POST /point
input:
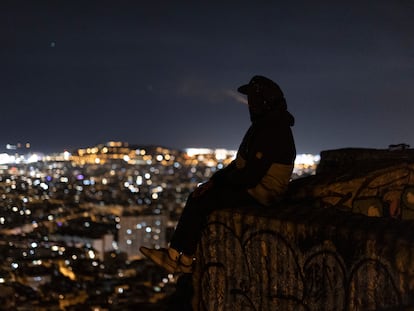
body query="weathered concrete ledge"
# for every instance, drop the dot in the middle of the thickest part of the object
(302, 257)
(369, 182)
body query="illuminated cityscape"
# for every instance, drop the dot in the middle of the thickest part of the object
(71, 223)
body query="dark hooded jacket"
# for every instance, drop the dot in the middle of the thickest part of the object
(265, 158)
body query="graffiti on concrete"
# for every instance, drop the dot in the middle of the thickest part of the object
(244, 269)
(386, 192)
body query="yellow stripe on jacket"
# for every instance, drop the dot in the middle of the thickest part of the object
(273, 185)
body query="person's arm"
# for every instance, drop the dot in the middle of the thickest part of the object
(217, 179)
(270, 144)
(249, 176)
(258, 159)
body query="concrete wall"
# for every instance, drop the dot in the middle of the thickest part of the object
(299, 257)
(372, 182)
(385, 192)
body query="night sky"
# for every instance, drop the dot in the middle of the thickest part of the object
(78, 73)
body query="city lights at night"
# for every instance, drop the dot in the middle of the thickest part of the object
(114, 112)
(64, 211)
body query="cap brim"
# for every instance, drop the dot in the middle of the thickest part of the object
(244, 89)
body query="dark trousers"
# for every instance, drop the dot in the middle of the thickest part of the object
(194, 217)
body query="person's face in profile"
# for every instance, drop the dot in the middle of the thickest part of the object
(255, 101)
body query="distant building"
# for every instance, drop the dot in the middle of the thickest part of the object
(143, 230)
(100, 243)
(123, 151)
(305, 165)
(35, 276)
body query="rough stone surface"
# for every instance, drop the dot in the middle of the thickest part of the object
(342, 240)
(296, 257)
(358, 161)
(368, 181)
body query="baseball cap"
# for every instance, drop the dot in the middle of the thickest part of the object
(261, 84)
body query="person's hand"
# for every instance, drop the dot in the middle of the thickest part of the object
(202, 189)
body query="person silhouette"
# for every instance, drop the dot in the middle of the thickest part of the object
(259, 175)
